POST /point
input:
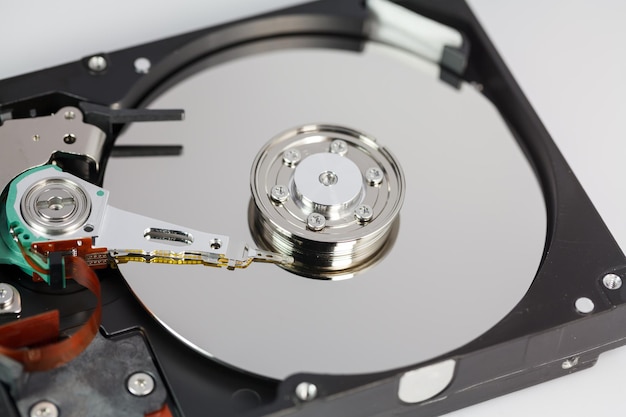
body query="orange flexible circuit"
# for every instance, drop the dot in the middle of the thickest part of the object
(32, 263)
(96, 258)
(163, 412)
(34, 341)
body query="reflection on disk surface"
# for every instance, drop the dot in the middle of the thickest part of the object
(468, 239)
(329, 197)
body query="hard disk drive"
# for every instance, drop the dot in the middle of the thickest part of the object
(337, 208)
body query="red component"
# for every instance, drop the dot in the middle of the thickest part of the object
(96, 258)
(163, 412)
(34, 341)
(36, 330)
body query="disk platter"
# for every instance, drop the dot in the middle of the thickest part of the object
(464, 249)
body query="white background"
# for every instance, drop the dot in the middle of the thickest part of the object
(568, 57)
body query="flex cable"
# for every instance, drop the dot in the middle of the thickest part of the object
(198, 258)
(34, 341)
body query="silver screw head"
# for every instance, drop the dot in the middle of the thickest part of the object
(305, 391)
(363, 213)
(279, 193)
(328, 178)
(569, 363)
(140, 384)
(44, 409)
(291, 157)
(612, 281)
(97, 63)
(6, 296)
(338, 146)
(374, 175)
(315, 222)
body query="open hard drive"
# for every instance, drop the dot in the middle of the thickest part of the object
(305, 212)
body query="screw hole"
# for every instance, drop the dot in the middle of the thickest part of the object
(142, 65)
(569, 363)
(69, 138)
(584, 305)
(88, 228)
(215, 244)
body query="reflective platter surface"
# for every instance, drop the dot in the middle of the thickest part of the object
(471, 229)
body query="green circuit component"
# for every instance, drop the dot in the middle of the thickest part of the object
(16, 237)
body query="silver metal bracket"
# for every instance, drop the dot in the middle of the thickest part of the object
(28, 143)
(10, 299)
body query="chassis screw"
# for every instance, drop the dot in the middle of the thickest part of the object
(291, 157)
(97, 63)
(44, 409)
(279, 193)
(612, 281)
(305, 391)
(315, 222)
(140, 384)
(363, 213)
(374, 176)
(338, 146)
(6, 296)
